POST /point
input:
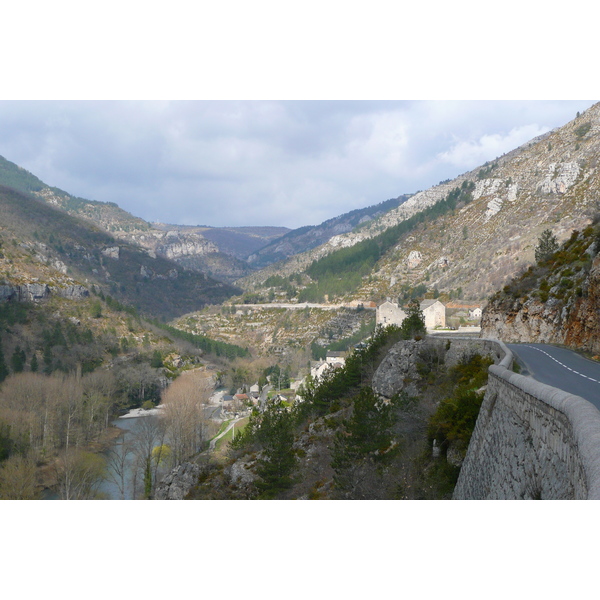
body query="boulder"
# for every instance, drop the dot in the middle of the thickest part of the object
(178, 482)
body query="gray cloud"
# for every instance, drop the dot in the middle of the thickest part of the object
(238, 163)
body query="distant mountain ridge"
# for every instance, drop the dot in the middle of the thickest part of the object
(226, 253)
(59, 254)
(219, 254)
(309, 237)
(235, 241)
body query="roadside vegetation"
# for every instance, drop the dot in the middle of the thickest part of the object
(560, 271)
(343, 441)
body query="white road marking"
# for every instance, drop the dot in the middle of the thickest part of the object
(561, 364)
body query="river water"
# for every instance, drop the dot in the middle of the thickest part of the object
(110, 488)
(124, 480)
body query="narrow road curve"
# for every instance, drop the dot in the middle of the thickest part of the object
(560, 368)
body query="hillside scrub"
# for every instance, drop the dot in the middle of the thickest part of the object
(455, 416)
(344, 441)
(560, 273)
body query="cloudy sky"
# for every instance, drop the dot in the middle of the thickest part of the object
(235, 163)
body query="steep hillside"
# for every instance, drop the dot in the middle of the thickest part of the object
(185, 246)
(556, 301)
(469, 236)
(303, 239)
(55, 251)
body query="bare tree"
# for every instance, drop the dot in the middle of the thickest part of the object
(18, 479)
(118, 459)
(79, 474)
(99, 398)
(148, 433)
(184, 403)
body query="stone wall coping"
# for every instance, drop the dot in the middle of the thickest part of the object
(583, 416)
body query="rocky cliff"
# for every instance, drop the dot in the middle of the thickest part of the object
(555, 302)
(185, 246)
(402, 368)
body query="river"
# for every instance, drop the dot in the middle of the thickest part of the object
(124, 480)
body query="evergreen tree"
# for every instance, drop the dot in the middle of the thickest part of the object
(547, 246)
(17, 360)
(365, 444)
(278, 461)
(414, 323)
(47, 359)
(34, 363)
(3, 367)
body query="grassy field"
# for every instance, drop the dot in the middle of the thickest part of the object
(222, 443)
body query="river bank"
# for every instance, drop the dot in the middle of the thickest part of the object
(140, 412)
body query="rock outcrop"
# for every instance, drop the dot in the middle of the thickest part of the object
(399, 370)
(34, 292)
(27, 292)
(572, 320)
(178, 482)
(72, 292)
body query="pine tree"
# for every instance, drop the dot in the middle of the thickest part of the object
(547, 246)
(365, 444)
(414, 323)
(17, 360)
(278, 461)
(3, 367)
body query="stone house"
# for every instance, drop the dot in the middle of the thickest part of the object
(334, 356)
(434, 312)
(389, 313)
(319, 367)
(475, 313)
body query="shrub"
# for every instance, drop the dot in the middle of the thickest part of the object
(582, 130)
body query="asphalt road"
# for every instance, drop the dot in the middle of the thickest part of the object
(560, 368)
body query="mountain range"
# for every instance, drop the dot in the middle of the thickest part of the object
(433, 241)
(469, 236)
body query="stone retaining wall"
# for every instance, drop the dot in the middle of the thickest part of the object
(531, 441)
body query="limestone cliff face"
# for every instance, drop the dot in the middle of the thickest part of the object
(33, 292)
(573, 321)
(172, 244)
(399, 370)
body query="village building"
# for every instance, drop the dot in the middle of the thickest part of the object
(433, 311)
(389, 313)
(334, 357)
(435, 314)
(475, 313)
(334, 360)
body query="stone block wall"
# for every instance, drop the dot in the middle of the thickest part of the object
(531, 441)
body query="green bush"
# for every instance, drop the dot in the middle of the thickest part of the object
(582, 130)
(455, 417)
